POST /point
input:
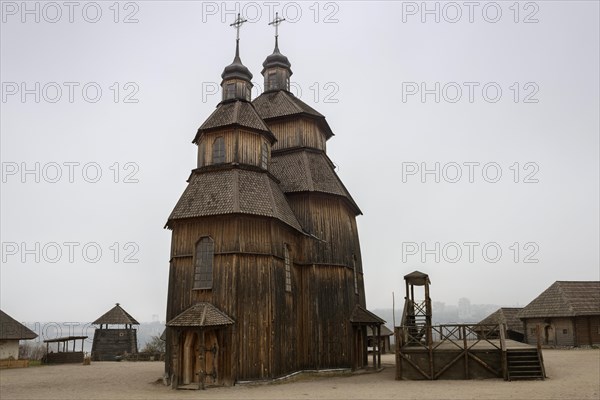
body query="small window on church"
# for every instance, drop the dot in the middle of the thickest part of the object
(201, 150)
(230, 91)
(565, 331)
(288, 268)
(272, 80)
(219, 150)
(355, 274)
(203, 263)
(264, 155)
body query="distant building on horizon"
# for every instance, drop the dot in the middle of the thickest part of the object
(568, 314)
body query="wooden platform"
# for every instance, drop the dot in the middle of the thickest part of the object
(464, 352)
(481, 345)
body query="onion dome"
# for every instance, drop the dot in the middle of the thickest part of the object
(237, 70)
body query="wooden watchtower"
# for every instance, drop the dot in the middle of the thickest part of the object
(457, 351)
(416, 316)
(115, 336)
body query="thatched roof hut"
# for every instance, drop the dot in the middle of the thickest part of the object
(11, 332)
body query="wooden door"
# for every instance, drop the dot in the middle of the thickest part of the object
(190, 358)
(211, 359)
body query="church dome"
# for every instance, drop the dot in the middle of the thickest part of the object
(236, 70)
(276, 59)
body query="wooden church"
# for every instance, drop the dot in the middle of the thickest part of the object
(265, 273)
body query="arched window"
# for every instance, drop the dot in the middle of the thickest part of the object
(203, 263)
(288, 268)
(219, 150)
(264, 155)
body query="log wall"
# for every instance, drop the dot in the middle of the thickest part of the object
(299, 132)
(241, 146)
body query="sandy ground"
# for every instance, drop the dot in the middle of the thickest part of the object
(572, 374)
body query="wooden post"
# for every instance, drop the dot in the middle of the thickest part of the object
(398, 353)
(430, 348)
(378, 346)
(465, 347)
(504, 359)
(374, 342)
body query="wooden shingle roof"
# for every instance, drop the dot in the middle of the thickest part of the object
(11, 329)
(417, 278)
(233, 191)
(278, 104)
(308, 171)
(565, 299)
(235, 113)
(385, 331)
(361, 315)
(506, 316)
(116, 316)
(200, 315)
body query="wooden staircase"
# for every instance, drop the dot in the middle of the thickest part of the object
(524, 364)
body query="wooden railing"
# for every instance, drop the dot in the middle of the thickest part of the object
(462, 337)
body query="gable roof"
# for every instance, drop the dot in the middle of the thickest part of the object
(280, 103)
(417, 278)
(506, 316)
(565, 299)
(200, 315)
(11, 329)
(235, 113)
(385, 331)
(116, 316)
(361, 315)
(233, 191)
(303, 170)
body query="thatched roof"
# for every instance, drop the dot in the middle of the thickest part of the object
(116, 316)
(565, 299)
(201, 315)
(11, 329)
(361, 315)
(506, 316)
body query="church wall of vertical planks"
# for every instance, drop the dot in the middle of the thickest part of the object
(265, 275)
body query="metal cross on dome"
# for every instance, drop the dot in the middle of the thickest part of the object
(276, 23)
(237, 24)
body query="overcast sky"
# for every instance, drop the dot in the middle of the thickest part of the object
(467, 134)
